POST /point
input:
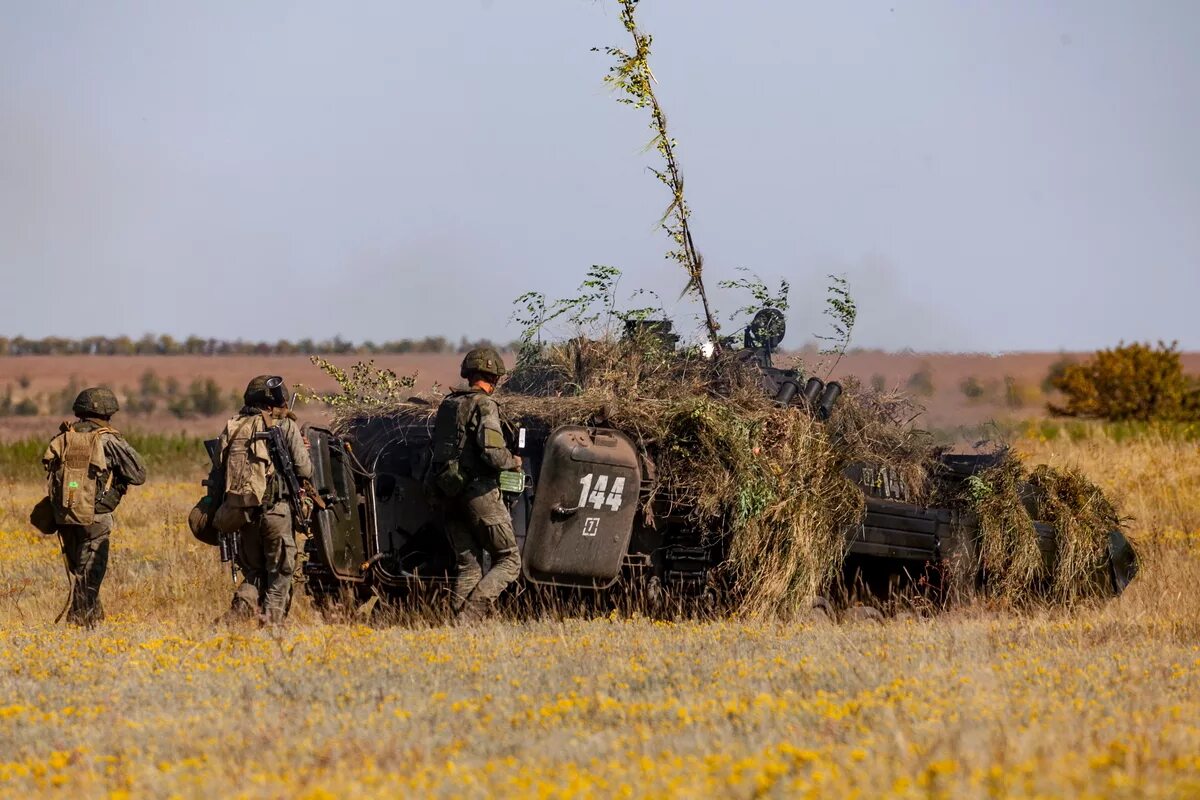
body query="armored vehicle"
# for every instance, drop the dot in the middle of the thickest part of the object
(578, 518)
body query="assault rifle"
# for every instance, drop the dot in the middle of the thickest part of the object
(286, 470)
(228, 543)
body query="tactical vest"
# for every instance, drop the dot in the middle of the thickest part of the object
(455, 461)
(80, 484)
(249, 471)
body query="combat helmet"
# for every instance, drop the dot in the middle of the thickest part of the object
(97, 401)
(266, 390)
(482, 359)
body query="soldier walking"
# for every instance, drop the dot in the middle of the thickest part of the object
(89, 468)
(469, 453)
(256, 502)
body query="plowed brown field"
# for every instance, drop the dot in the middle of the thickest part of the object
(946, 407)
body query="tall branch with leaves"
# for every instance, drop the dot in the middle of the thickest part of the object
(843, 313)
(632, 76)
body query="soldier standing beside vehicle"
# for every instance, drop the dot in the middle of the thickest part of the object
(256, 503)
(89, 468)
(469, 453)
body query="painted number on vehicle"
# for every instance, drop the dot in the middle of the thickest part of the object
(599, 494)
(591, 526)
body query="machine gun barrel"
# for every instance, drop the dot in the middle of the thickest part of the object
(286, 469)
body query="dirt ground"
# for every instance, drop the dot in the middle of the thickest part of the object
(947, 407)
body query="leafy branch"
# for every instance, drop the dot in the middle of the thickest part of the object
(363, 385)
(631, 75)
(594, 304)
(761, 294)
(842, 310)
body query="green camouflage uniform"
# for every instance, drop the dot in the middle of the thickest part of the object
(86, 546)
(477, 520)
(267, 546)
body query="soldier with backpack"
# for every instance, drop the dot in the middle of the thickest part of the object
(469, 453)
(256, 503)
(89, 468)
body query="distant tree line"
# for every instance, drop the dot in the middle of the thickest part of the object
(150, 345)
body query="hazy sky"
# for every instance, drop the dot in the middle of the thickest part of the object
(989, 176)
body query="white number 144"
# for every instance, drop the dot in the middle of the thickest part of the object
(601, 494)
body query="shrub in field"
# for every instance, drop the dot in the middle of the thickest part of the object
(62, 400)
(1129, 382)
(204, 398)
(1018, 393)
(207, 398)
(972, 388)
(1055, 373)
(27, 407)
(920, 382)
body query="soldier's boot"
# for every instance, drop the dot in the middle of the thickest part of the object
(86, 614)
(240, 611)
(473, 611)
(273, 616)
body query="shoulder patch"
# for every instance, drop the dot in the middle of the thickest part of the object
(493, 438)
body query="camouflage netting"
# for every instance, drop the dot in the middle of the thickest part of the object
(774, 479)
(1008, 496)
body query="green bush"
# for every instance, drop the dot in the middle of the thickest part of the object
(62, 401)
(972, 388)
(920, 382)
(1018, 393)
(1055, 373)
(1133, 382)
(27, 407)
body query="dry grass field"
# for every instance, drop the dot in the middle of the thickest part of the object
(979, 702)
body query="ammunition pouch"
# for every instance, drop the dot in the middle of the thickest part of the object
(108, 499)
(272, 494)
(450, 479)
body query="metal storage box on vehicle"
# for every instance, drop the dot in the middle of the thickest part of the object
(584, 509)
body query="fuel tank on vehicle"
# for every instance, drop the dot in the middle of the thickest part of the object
(584, 509)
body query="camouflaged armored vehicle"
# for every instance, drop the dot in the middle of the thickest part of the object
(578, 519)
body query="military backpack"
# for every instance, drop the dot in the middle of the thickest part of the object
(80, 484)
(249, 471)
(452, 468)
